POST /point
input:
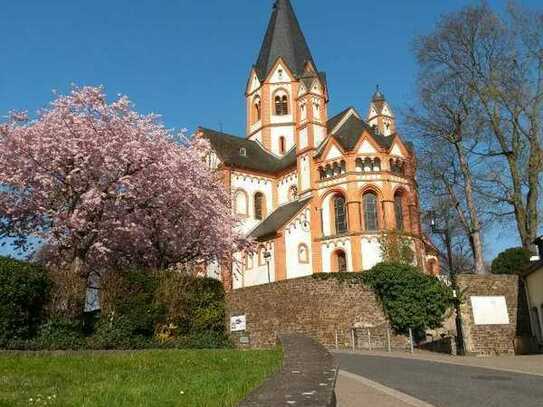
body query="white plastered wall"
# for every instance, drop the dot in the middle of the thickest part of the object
(296, 234)
(285, 131)
(284, 185)
(329, 247)
(371, 252)
(251, 185)
(258, 274)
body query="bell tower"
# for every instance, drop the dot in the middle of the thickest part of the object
(380, 115)
(285, 92)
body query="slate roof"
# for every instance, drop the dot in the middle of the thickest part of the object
(284, 38)
(278, 219)
(228, 149)
(349, 133)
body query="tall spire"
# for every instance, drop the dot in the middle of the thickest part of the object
(284, 38)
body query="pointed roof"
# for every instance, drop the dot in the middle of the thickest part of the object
(278, 219)
(284, 38)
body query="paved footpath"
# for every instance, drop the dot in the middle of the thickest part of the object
(425, 380)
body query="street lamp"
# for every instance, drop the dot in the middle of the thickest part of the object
(446, 232)
(267, 258)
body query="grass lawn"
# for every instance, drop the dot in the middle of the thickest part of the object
(204, 378)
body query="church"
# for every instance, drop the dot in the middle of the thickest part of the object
(315, 191)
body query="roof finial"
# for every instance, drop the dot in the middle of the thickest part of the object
(378, 95)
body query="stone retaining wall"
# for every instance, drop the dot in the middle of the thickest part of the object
(490, 339)
(325, 310)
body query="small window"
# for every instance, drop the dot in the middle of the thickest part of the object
(259, 206)
(303, 254)
(240, 203)
(281, 104)
(243, 152)
(340, 261)
(282, 145)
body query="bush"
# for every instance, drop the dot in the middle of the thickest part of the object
(195, 305)
(61, 334)
(411, 299)
(131, 303)
(511, 261)
(24, 292)
(118, 332)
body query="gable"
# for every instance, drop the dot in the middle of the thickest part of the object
(333, 153)
(366, 148)
(280, 73)
(396, 150)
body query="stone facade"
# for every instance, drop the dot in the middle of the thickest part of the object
(490, 339)
(326, 310)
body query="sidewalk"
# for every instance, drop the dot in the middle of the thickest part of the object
(351, 392)
(532, 364)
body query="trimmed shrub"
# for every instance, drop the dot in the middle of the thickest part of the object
(61, 334)
(411, 299)
(24, 292)
(511, 261)
(118, 332)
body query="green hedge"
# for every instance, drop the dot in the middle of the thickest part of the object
(24, 293)
(411, 299)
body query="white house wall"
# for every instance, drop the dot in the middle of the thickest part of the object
(295, 235)
(284, 185)
(251, 185)
(258, 274)
(328, 248)
(371, 252)
(284, 131)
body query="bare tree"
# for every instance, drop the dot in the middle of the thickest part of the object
(448, 126)
(499, 64)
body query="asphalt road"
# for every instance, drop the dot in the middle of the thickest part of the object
(446, 385)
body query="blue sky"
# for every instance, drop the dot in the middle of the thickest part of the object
(189, 59)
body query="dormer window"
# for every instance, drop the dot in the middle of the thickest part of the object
(243, 152)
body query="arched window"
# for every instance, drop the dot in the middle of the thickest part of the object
(260, 205)
(370, 211)
(329, 171)
(337, 169)
(257, 111)
(368, 165)
(281, 104)
(359, 165)
(249, 262)
(398, 210)
(340, 214)
(322, 173)
(241, 203)
(339, 262)
(282, 145)
(303, 254)
(377, 165)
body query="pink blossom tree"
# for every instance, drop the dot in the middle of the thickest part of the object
(104, 187)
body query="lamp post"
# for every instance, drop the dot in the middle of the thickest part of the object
(452, 272)
(267, 258)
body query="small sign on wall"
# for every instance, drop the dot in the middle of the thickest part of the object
(490, 310)
(238, 323)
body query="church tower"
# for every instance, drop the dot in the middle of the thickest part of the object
(286, 95)
(380, 115)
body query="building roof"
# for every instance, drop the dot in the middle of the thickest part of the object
(284, 38)
(350, 131)
(278, 219)
(228, 149)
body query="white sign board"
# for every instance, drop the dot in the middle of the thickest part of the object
(489, 310)
(238, 323)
